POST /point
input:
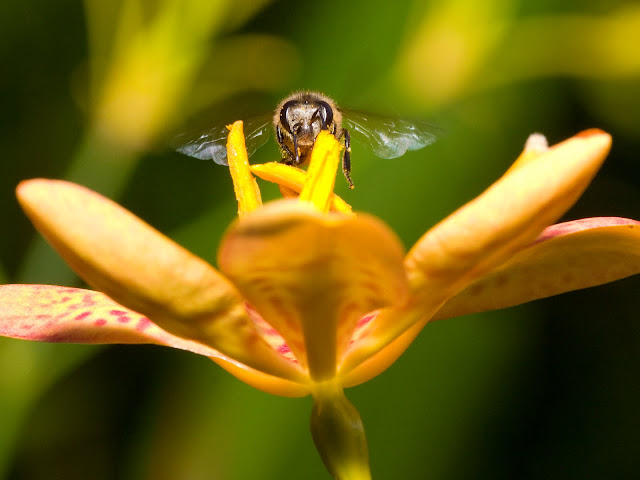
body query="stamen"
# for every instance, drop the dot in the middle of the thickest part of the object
(244, 184)
(321, 175)
(293, 179)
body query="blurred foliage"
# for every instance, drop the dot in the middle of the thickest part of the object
(94, 92)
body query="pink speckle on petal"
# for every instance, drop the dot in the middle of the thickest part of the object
(574, 226)
(366, 319)
(82, 316)
(61, 289)
(63, 314)
(101, 322)
(65, 299)
(284, 348)
(121, 315)
(143, 324)
(88, 300)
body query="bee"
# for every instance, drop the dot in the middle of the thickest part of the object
(297, 121)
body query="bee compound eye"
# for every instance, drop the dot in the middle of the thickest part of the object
(284, 114)
(327, 114)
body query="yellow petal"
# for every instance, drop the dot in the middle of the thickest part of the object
(486, 232)
(312, 276)
(568, 256)
(293, 178)
(138, 267)
(245, 186)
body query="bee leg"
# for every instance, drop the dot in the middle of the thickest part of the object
(288, 157)
(346, 157)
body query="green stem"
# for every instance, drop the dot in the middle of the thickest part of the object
(337, 431)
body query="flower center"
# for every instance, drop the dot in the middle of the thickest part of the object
(315, 186)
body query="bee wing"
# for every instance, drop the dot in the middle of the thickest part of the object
(212, 144)
(389, 137)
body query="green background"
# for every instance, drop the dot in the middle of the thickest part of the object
(545, 390)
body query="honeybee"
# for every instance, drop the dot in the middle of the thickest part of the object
(297, 121)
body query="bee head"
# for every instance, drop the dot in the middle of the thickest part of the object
(305, 116)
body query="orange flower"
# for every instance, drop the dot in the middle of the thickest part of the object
(310, 298)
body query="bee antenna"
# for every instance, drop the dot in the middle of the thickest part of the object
(295, 148)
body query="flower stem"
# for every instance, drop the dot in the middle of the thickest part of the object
(338, 432)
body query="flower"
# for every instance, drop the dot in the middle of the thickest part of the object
(311, 298)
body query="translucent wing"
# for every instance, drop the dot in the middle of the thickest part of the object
(389, 137)
(212, 144)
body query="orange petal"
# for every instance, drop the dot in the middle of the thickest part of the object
(566, 257)
(535, 146)
(138, 267)
(50, 313)
(509, 215)
(488, 231)
(382, 359)
(262, 381)
(312, 276)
